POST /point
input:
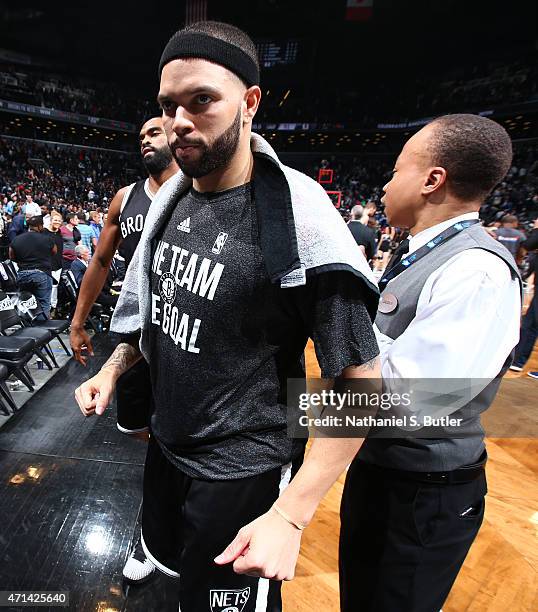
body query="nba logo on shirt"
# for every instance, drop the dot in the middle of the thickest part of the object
(221, 600)
(219, 243)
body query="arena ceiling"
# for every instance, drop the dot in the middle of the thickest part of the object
(121, 42)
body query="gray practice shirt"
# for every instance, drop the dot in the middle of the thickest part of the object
(224, 339)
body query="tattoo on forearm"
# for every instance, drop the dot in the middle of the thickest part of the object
(368, 366)
(123, 358)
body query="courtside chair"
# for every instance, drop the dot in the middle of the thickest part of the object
(70, 284)
(9, 319)
(29, 312)
(5, 395)
(15, 353)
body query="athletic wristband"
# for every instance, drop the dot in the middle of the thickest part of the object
(298, 526)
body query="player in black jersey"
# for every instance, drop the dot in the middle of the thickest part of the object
(122, 231)
(123, 228)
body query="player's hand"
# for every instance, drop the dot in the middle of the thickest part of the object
(535, 226)
(266, 548)
(80, 342)
(94, 395)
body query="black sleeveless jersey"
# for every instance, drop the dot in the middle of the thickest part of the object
(132, 216)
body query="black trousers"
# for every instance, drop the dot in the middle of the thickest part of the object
(187, 522)
(402, 542)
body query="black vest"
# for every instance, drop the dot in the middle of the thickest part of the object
(464, 444)
(132, 218)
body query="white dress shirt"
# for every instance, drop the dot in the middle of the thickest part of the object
(467, 318)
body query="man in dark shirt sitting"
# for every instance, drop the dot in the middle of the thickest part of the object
(33, 251)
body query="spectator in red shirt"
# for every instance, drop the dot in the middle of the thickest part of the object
(71, 237)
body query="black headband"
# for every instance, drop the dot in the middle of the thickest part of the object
(195, 44)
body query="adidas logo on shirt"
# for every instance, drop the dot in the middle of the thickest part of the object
(185, 226)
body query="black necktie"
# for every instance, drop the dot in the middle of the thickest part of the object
(401, 250)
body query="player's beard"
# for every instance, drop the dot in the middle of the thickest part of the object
(215, 155)
(158, 162)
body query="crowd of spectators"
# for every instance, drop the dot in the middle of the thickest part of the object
(65, 178)
(512, 208)
(360, 180)
(45, 244)
(72, 94)
(74, 179)
(518, 193)
(79, 183)
(465, 89)
(53, 204)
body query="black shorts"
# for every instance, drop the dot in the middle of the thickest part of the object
(133, 399)
(187, 522)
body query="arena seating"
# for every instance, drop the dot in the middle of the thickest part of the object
(462, 88)
(63, 176)
(67, 93)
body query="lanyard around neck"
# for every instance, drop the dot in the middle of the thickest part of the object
(441, 238)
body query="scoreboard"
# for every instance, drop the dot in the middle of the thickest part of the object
(277, 52)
